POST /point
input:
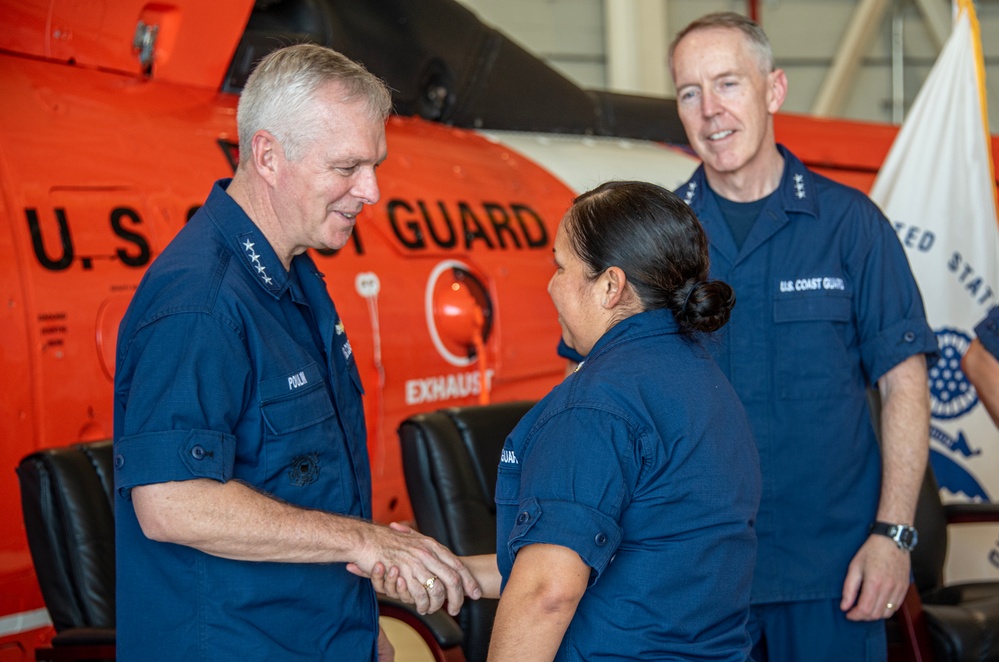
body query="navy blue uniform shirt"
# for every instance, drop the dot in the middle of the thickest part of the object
(988, 332)
(231, 368)
(641, 462)
(826, 305)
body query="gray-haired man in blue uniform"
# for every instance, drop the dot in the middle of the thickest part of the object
(827, 307)
(243, 489)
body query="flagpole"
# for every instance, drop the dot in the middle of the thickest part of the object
(969, 6)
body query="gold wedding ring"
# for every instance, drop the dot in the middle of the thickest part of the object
(429, 584)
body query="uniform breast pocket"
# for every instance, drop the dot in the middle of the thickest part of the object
(304, 450)
(813, 335)
(298, 411)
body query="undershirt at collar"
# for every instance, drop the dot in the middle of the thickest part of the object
(740, 216)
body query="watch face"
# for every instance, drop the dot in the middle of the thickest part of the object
(904, 536)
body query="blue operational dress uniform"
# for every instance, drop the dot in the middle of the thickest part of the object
(826, 305)
(988, 332)
(642, 462)
(229, 367)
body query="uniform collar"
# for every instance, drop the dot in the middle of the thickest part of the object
(797, 186)
(796, 191)
(658, 321)
(795, 196)
(247, 241)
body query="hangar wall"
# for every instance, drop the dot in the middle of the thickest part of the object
(571, 35)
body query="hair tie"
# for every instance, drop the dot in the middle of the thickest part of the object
(686, 299)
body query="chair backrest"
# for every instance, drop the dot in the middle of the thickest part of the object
(68, 504)
(450, 460)
(930, 554)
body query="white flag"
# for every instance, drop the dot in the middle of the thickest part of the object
(938, 188)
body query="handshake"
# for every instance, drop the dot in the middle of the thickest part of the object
(418, 570)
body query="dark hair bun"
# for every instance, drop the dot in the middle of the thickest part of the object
(703, 305)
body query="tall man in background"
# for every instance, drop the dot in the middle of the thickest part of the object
(241, 470)
(827, 307)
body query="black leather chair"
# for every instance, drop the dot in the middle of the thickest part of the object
(450, 458)
(67, 500)
(962, 619)
(66, 497)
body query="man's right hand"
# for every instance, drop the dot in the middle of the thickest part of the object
(411, 560)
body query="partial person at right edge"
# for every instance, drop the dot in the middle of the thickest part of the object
(981, 363)
(827, 308)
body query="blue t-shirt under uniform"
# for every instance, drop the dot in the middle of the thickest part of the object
(642, 462)
(229, 367)
(988, 332)
(826, 305)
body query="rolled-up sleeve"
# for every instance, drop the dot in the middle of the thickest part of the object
(588, 532)
(988, 332)
(578, 476)
(890, 315)
(188, 379)
(171, 455)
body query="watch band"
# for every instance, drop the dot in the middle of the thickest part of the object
(905, 536)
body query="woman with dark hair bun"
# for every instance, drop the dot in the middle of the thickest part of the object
(657, 242)
(625, 499)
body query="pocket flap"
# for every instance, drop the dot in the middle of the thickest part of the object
(824, 307)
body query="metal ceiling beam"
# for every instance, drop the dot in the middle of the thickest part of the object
(637, 41)
(864, 22)
(938, 20)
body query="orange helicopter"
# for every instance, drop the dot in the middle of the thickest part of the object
(120, 115)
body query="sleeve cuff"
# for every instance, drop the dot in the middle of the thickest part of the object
(159, 457)
(897, 343)
(987, 332)
(588, 532)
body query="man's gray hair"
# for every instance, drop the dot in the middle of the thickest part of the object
(278, 95)
(755, 35)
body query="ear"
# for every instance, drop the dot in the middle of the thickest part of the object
(776, 90)
(611, 286)
(267, 153)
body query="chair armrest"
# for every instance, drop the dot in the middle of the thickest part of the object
(85, 637)
(444, 629)
(79, 645)
(967, 513)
